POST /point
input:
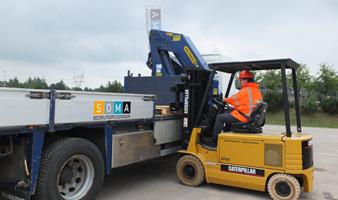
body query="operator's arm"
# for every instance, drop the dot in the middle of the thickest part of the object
(233, 100)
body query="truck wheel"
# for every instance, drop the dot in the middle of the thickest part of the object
(70, 169)
(283, 186)
(190, 171)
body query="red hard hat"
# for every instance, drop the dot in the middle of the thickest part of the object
(245, 74)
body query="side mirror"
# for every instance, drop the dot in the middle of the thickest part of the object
(238, 84)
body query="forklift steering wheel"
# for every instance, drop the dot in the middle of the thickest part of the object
(221, 104)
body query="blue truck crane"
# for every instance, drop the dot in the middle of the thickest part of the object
(186, 54)
(170, 55)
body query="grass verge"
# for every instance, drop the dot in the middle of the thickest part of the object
(312, 120)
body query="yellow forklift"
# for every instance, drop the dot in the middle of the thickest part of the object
(247, 157)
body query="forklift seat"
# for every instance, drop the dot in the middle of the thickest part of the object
(255, 123)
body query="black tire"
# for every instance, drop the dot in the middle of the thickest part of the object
(55, 157)
(190, 171)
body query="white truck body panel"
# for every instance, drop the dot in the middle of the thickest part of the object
(18, 109)
(80, 108)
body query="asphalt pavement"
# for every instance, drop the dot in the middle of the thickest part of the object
(156, 179)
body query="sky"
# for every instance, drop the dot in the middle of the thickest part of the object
(103, 39)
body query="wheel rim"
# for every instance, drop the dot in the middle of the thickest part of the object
(283, 189)
(189, 171)
(75, 177)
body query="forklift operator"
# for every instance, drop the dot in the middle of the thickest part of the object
(243, 104)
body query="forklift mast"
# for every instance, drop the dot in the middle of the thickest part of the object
(172, 53)
(196, 97)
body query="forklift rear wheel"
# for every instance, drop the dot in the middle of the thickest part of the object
(190, 171)
(71, 169)
(283, 187)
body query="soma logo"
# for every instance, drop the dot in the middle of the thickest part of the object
(111, 107)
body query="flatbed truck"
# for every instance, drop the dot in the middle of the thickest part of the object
(58, 144)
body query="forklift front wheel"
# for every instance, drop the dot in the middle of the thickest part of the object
(190, 171)
(283, 186)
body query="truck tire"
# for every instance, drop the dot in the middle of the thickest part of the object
(283, 187)
(70, 169)
(190, 171)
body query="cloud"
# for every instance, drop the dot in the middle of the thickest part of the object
(103, 38)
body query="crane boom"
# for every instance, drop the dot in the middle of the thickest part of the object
(171, 53)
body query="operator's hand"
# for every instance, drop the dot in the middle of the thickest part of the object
(227, 105)
(218, 102)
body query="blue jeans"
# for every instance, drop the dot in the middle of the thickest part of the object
(219, 123)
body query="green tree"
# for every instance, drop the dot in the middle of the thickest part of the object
(270, 82)
(327, 81)
(88, 89)
(35, 83)
(40, 83)
(77, 88)
(309, 105)
(111, 87)
(304, 78)
(327, 88)
(305, 83)
(14, 82)
(59, 86)
(330, 105)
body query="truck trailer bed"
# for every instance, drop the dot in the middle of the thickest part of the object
(29, 107)
(122, 126)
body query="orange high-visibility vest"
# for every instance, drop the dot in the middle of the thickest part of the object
(245, 101)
